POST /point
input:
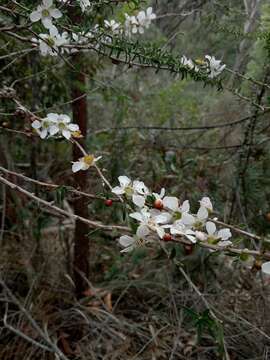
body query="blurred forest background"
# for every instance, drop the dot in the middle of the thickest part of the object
(170, 132)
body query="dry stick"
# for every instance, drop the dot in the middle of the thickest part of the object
(51, 346)
(206, 303)
(49, 205)
(237, 230)
(53, 186)
(94, 224)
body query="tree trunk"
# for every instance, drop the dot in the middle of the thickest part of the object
(81, 240)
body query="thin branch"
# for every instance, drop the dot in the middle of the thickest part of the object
(49, 205)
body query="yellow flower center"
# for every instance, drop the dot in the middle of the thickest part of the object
(45, 124)
(45, 13)
(77, 134)
(128, 191)
(88, 159)
(200, 62)
(62, 125)
(50, 41)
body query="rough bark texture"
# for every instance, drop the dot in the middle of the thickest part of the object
(81, 240)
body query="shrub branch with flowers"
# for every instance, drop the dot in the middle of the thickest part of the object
(157, 217)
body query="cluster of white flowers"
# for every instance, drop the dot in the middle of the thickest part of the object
(165, 217)
(211, 66)
(55, 124)
(140, 22)
(49, 43)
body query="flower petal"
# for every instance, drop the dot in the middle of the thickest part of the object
(118, 190)
(137, 216)
(53, 117)
(210, 227)
(266, 267)
(142, 231)
(224, 234)
(66, 134)
(47, 22)
(36, 124)
(185, 206)
(126, 240)
(77, 166)
(55, 13)
(124, 181)
(202, 213)
(43, 133)
(73, 127)
(35, 16)
(53, 129)
(171, 202)
(187, 219)
(138, 200)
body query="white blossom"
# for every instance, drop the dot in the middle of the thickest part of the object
(137, 190)
(49, 43)
(206, 202)
(178, 228)
(131, 242)
(84, 4)
(152, 219)
(45, 12)
(125, 186)
(84, 162)
(137, 24)
(61, 125)
(214, 66)
(131, 25)
(220, 236)
(113, 26)
(189, 63)
(42, 127)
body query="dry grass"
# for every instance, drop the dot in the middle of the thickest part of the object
(138, 310)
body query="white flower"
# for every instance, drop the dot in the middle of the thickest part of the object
(49, 43)
(172, 203)
(125, 186)
(129, 243)
(206, 202)
(131, 25)
(140, 193)
(178, 228)
(214, 66)
(137, 191)
(220, 236)
(45, 12)
(189, 63)
(61, 125)
(152, 219)
(137, 24)
(42, 127)
(84, 4)
(84, 163)
(113, 26)
(144, 19)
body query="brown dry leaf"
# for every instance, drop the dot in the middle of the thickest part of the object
(65, 344)
(108, 301)
(88, 293)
